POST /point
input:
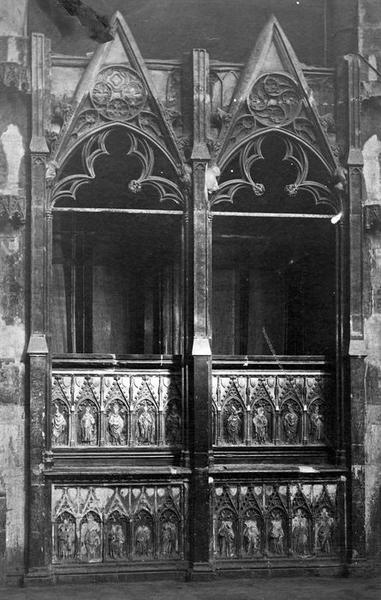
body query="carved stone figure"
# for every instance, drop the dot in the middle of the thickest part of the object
(115, 426)
(66, 539)
(91, 539)
(276, 534)
(290, 423)
(88, 434)
(324, 530)
(116, 540)
(251, 537)
(169, 539)
(59, 427)
(143, 540)
(233, 425)
(300, 533)
(260, 423)
(317, 425)
(146, 426)
(226, 538)
(172, 425)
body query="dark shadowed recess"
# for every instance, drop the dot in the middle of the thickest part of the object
(167, 29)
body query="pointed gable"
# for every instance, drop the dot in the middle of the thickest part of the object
(116, 88)
(272, 94)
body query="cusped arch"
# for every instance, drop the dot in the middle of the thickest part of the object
(93, 145)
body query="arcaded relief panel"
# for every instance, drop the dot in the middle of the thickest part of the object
(264, 410)
(124, 523)
(126, 410)
(277, 520)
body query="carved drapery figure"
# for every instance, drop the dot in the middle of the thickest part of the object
(233, 425)
(115, 426)
(88, 433)
(317, 425)
(169, 539)
(276, 534)
(91, 539)
(324, 530)
(251, 537)
(59, 427)
(143, 540)
(116, 540)
(66, 539)
(260, 423)
(290, 423)
(300, 533)
(172, 425)
(226, 538)
(146, 426)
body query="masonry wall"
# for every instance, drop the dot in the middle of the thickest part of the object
(370, 49)
(14, 102)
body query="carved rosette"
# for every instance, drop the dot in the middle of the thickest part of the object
(275, 100)
(119, 94)
(274, 520)
(125, 523)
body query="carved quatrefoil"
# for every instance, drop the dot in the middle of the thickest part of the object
(119, 93)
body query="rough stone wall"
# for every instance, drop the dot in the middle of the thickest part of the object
(370, 48)
(13, 142)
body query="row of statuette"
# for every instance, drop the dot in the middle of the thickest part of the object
(123, 410)
(264, 521)
(114, 524)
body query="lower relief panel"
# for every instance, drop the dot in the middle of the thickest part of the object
(259, 521)
(126, 523)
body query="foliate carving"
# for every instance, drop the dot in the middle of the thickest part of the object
(119, 93)
(275, 99)
(274, 520)
(125, 523)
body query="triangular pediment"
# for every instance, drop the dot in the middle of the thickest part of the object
(117, 88)
(272, 94)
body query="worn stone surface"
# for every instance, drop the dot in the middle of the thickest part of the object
(372, 306)
(278, 588)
